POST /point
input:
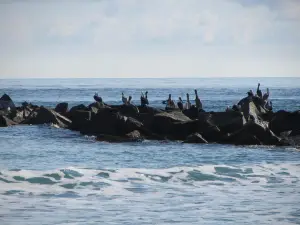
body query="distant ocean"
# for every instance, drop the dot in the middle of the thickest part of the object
(56, 176)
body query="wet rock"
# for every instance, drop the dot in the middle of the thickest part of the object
(80, 119)
(181, 130)
(285, 121)
(62, 108)
(227, 122)
(108, 121)
(192, 113)
(149, 110)
(133, 136)
(254, 133)
(163, 122)
(47, 116)
(6, 102)
(210, 132)
(79, 107)
(195, 138)
(5, 122)
(20, 114)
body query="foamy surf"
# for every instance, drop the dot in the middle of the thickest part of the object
(124, 181)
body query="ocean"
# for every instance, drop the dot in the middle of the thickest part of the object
(56, 176)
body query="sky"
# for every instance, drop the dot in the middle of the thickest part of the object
(149, 38)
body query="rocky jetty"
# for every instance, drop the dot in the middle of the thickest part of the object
(251, 125)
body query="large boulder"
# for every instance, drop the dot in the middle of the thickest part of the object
(129, 110)
(62, 108)
(20, 114)
(133, 136)
(254, 134)
(195, 138)
(149, 110)
(79, 107)
(252, 108)
(108, 121)
(163, 122)
(80, 119)
(5, 122)
(181, 130)
(227, 122)
(192, 113)
(209, 131)
(6, 102)
(285, 121)
(47, 116)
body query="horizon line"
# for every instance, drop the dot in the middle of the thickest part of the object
(205, 77)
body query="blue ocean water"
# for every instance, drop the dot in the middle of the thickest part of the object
(56, 176)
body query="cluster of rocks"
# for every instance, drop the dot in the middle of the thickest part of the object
(253, 125)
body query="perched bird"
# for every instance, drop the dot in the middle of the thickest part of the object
(97, 98)
(144, 99)
(258, 91)
(180, 104)
(124, 99)
(129, 100)
(266, 95)
(198, 101)
(188, 103)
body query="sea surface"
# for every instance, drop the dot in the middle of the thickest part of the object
(56, 176)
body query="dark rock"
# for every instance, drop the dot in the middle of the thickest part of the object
(129, 110)
(134, 135)
(20, 114)
(6, 102)
(195, 138)
(210, 132)
(227, 122)
(47, 116)
(80, 119)
(62, 108)
(181, 130)
(79, 107)
(163, 122)
(107, 121)
(285, 121)
(5, 122)
(254, 133)
(192, 113)
(25, 104)
(149, 110)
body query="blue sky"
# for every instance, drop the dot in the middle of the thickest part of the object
(157, 38)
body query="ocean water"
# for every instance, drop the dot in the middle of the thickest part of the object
(56, 176)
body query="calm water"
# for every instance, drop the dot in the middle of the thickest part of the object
(55, 176)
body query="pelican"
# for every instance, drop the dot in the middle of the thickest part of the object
(188, 103)
(124, 99)
(258, 91)
(180, 104)
(97, 98)
(129, 100)
(266, 95)
(144, 99)
(198, 101)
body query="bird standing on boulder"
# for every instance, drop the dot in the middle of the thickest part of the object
(129, 100)
(180, 104)
(258, 91)
(124, 99)
(198, 101)
(266, 95)
(144, 99)
(188, 103)
(97, 98)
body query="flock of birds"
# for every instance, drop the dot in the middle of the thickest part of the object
(170, 104)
